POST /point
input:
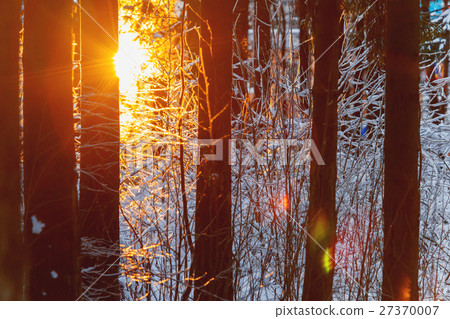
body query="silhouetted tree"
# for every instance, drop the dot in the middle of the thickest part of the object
(10, 174)
(321, 216)
(213, 245)
(49, 158)
(100, 145)
(401, 151)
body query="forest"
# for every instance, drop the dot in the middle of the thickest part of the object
(248, 150)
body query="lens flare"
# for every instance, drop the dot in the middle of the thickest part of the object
(285, 202)
(327, 261)
(320, 228)
(405, 289)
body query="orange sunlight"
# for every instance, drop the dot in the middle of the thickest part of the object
(285, 202)
(129, 63)
(405, 289)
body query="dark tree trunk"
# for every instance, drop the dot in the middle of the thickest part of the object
(401, 151)
(321, 219)
(10, 174)
(262, 52)
(213, 246)
(49, 158)
(100, 146)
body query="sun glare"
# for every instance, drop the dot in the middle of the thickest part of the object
(129, 62)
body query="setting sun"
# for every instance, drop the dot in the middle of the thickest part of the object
(129, 62)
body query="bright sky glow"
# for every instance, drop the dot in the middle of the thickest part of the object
(129, 62)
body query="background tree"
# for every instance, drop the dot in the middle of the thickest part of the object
(99, 151)
(10, 147)
(322, 217)
(401, 151)
(49, 158)
(213, 245)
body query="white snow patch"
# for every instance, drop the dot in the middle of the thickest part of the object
(54, 274)
(37, 225)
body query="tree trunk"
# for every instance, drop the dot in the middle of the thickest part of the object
(10, 172)
(401, 150)
(321, 218)
(49, 157)
(213, 246)
(100, 147)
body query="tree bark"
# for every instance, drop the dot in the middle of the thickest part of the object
(49, 158)
(401, 151)
(11, 250)
(100, 147)
(321, 218)
(213, 246)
